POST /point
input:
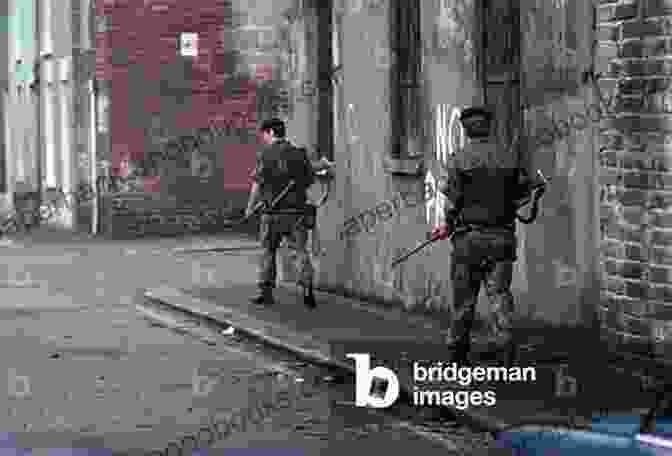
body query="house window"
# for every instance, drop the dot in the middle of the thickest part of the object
(406, 42)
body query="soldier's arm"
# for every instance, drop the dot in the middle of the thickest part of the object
(525, 185)
(257, 179)
(308, 169)
(323, 167)
(450, 184)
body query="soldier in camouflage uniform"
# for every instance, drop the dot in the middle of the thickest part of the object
(482, 186)
(279, 162)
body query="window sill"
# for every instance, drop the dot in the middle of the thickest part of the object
(412, 166)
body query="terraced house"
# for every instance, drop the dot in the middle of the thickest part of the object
(568, 75)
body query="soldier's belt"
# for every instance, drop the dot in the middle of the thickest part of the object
(308, 211)
(462, 228)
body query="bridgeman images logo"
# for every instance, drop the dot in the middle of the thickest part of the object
(377, 387)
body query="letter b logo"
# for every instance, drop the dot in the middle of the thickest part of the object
(365, 378)
(565, 385)
(202, 386)
(13, 382)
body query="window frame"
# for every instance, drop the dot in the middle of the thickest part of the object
(405, 156)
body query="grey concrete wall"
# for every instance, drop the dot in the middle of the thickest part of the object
(373, 216)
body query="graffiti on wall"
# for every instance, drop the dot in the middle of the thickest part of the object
(448, 138)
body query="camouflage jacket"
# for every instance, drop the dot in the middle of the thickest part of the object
(483, 185)
(279, 163)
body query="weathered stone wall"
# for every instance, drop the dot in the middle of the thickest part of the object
(636, 168)
(373, 216)
(558, 268)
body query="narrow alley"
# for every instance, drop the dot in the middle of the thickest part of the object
(89, 366)
(315, 226)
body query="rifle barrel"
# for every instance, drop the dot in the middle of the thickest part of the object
(413, 251)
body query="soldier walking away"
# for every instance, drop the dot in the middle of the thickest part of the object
(482, 188)
(282, 165)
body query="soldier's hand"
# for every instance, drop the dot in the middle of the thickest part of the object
(441, 231)
(540, 190)
(249, 211)
(323, 167)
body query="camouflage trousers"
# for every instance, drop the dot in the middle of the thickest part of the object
(483, 257)
(274, 228)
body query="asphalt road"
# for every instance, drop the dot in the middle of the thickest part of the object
(85, 368)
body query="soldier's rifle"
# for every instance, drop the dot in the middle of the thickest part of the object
(263, 206)
(535, 193)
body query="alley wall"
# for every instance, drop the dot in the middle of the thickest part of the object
(382, 206)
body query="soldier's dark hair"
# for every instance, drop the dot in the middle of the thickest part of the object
(476, 111)
(483, 117)
(277, 126)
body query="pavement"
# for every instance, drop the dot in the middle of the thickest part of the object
(88, 367)
(82, 377)
(570, 365)
(84, 369)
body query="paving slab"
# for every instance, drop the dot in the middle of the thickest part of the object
(569, 377)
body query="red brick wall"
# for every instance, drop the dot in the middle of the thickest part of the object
(636, 160)
(159, 98)
(139, 56)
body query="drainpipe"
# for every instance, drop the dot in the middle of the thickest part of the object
(397, 114)
(35, 90)
(93, 128)
(325, 120)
